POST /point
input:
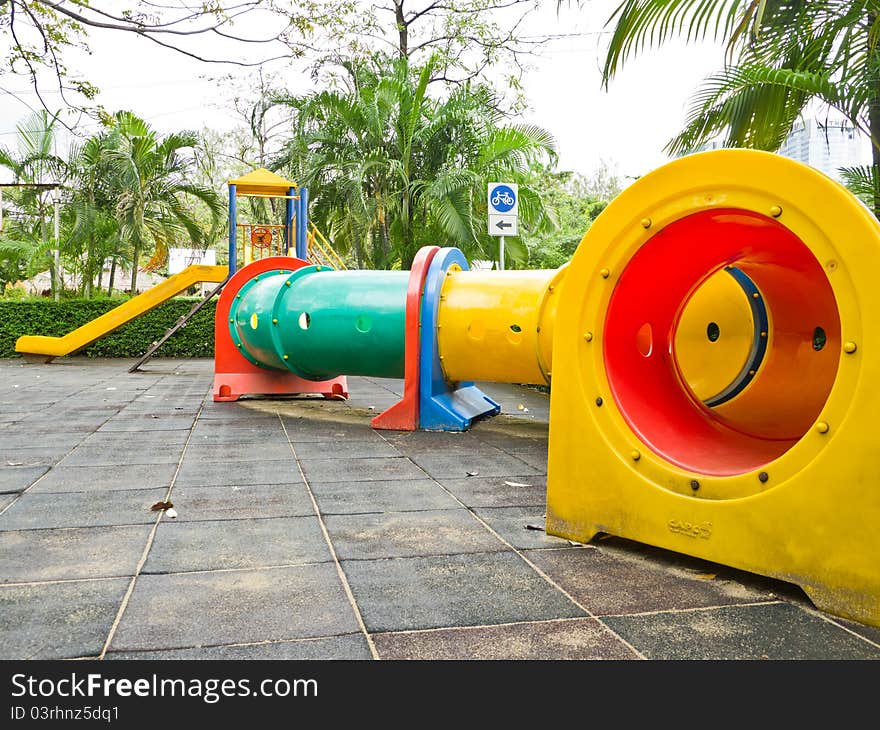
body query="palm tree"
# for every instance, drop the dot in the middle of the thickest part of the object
(38, 169)
(93, 228)
(781, 55)
(393, 168)
(152, 194)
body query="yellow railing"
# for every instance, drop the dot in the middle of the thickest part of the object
(320, 250)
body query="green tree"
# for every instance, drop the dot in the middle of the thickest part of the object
(90, 211)
(35, 166)
(150, 184)
(573, 202)
(404, 168)
(781, 55)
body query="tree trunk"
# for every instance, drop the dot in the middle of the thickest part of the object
(135, 261)
(402, 29)
(358, 245)
(874, 121)
(112, 271)
(874, 117)
(89, 272)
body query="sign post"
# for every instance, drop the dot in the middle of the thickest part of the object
(503, 205)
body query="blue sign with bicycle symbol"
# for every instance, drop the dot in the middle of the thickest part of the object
(503, 198)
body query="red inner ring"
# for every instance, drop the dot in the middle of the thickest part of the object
(791, 388)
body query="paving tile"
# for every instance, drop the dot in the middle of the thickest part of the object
(19, 437)
(351, 450)
(522, 490)
(381, 496)
(241, 502)
(454, 590)
(82, 552)
(572, 639)
(236, 451)
(220, 474)
(233, 414)
(608, 583)
(231, 435)
(443, 441)
(97, 479)
(81, 509)
(407, 534)
(221, 544)
(302, 430)
(233, 607)
(65, 423)
(114, 455)
(128, 440)
(871, 633)
(515, 524)
(536, 460)
(19, 478)
(775, 631)
(359, 470)
(349, 647)
(460, 465)
(58, 620)
(147, 422)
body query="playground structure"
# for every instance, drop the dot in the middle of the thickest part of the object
(711, 362)
(247, 242)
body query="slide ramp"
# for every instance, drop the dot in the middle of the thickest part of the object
(47, 348)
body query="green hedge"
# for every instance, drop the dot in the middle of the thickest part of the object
(54, 319)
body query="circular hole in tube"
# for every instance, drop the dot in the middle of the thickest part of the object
(304, 321)
(645, 340)
(363, 323)
(819, 339)
(713, 332)
(515, 328)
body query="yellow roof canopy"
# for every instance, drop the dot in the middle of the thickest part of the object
(262, 182)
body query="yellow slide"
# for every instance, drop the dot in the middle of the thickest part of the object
(49, 347)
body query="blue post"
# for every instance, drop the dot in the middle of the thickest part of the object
(233, 229)
(288, 221)
(302, 225)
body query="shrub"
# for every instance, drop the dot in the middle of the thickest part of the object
(54, 319)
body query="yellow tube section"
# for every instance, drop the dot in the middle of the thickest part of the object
(498, 325)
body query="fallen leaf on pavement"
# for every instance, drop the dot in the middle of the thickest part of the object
(517, 484)
(159, 506)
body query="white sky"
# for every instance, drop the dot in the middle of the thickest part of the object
(626, 127)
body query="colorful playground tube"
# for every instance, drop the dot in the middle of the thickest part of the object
(713, 365)
(319, 325)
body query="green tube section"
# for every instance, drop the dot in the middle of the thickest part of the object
(320, 323)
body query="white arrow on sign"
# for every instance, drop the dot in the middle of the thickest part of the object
(503, 225)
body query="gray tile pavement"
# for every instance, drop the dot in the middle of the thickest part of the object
(391, 546)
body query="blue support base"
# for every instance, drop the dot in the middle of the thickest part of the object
(444, 406)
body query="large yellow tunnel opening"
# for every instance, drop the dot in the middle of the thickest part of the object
(722, 341)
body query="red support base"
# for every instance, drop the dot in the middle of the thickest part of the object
(234, 376)
(404, 415)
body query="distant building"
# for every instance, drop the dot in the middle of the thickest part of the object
(827, 145)
(824, 143)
